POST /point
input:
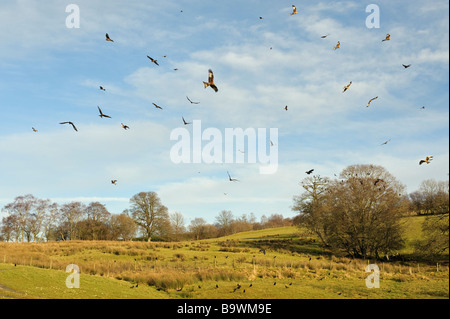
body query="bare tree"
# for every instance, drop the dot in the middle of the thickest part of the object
(197, 226)
(359, 214)
(68, 217)
(224, 222)
(177, 224)
(149, 214)
(122, 227)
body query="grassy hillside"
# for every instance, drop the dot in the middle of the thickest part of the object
(294, 266)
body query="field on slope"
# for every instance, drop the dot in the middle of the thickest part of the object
(294, 266)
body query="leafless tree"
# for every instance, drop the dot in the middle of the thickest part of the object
(149, 214)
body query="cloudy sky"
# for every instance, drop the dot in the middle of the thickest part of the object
(50, 73)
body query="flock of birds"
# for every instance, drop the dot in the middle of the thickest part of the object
(210, 83)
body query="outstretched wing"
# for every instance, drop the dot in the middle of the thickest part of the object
(210, 76)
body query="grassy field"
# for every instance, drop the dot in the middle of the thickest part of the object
(294, 267)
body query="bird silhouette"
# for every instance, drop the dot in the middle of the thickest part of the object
(101, 113)
(192, 101)
(185, 123)
(231, 179)
(211, 81)
(34, 130)
(114, 181)
(310, 171)
(338, 46)
(406, 66)
(294, 10)
(371, 100)
(73, 125)
(157, 106)
(427, 160)
(108, 38)
(386, 142)
(286, 108)
(125, 127)
(153, 60)
(324, 36)
(347, 87)
(102, 88)
(388, 38)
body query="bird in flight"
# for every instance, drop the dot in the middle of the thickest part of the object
(211, 81)
(370, 101)
(231, 179)
(185, 123)
(101, 113)
(294, 10)
(310, 171)
(338, 45)
(427, 160)
(192, 101)
(114, 181)
(125, 127)
(388, 37)
(386, 142)
(108, 38)
(286, 107)
(70, 124)
(157, 106)
(406, 66)
(153, 60)
(324, 36)
(347, 87)
(102, 88)
(34, 130)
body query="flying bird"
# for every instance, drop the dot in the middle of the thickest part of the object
(231, 179)
(125, 127)
(338, 45)
(157, 106)
(294, 10)
(427, 160)
(310, 172)
(386, 142)
(262, 250)
(70, 124)
(211, 81)
(388, 37)
(286, 107)
(406, 66)
(324, 36)
(108, 38)
(34, 130)
(101, 113)
(347, 87)
(192, 101)
(185, 123)
(153, 60)
(370, 101)
(102, 88)
(114, 181)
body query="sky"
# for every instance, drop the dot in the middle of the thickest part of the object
(51, 73)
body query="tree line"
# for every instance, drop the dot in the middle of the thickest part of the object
(31, 219)
(359, 213)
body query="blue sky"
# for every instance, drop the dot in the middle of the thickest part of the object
(50, 73)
